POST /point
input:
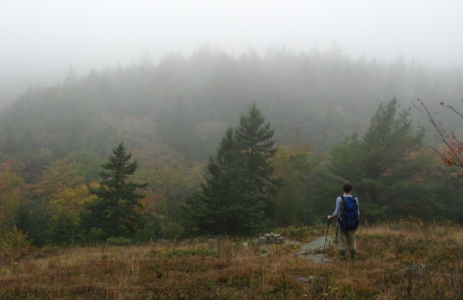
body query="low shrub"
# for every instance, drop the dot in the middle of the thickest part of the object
(193, 252)
(118, 241)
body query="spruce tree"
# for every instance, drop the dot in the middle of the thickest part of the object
(64, 229)
(383, 163)
(255, 141)
(116, 213)
(229, 202)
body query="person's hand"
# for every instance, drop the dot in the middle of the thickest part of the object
(330, 217)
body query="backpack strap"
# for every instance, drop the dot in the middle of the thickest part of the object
(343, 202)
(356, 200)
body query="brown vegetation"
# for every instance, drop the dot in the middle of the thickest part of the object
(396, 261)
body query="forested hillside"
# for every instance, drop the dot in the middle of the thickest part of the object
(172, 115)
(186, 103)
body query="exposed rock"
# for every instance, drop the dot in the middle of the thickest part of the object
(318, 279)
(305, 279)
(271, 238)
(262, 240)
(314, 250)
(413, 268)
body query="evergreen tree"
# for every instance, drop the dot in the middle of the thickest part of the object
(116, 213)
(229, 202)
(382, 165)
(64, 229)
(255, 141)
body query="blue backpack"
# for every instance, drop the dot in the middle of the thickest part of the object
(349, 218)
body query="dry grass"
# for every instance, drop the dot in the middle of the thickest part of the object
(227, 269)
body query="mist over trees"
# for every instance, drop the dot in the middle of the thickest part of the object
(173, 116)
(186, 103)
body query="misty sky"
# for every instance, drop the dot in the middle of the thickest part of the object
(40, 40)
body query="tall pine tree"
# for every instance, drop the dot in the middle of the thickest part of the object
(229, 201)
(116, 213)
(255, 141)
(383, 163)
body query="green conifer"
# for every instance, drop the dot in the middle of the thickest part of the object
(255, 141)
(116, 213)
(229, 202)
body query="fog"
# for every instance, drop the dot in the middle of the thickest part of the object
(41, 40)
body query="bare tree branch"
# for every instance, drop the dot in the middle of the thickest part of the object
(451, 152)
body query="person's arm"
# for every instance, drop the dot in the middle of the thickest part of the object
(338, 209)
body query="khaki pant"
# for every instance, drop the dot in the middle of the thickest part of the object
(346, 239)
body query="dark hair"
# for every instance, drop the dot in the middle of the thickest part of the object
(347, 186)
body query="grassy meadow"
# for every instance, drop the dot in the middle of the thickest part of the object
(405, 260)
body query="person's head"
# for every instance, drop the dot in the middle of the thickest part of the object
(347, 186)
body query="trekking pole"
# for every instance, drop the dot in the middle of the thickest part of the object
(327, 227)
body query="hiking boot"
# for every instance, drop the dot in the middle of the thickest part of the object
(353, 254)
(342, 254)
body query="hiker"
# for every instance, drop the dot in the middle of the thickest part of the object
(347, 211)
